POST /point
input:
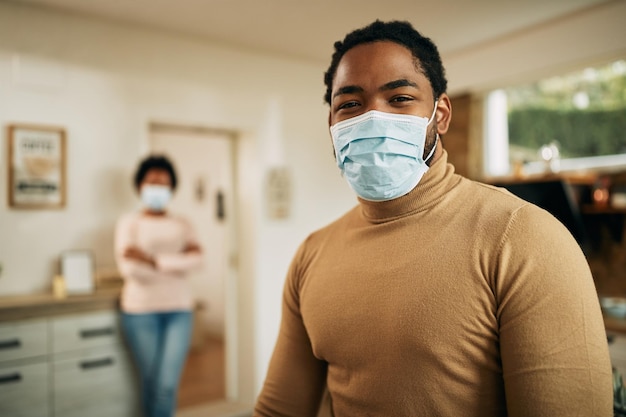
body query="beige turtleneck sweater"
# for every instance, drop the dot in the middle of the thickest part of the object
(457, 299)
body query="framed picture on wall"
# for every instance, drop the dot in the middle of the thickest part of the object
(36, 166)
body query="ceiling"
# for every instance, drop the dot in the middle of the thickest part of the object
(307, 29)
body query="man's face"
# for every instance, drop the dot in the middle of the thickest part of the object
(383, 76)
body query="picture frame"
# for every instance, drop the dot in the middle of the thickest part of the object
(78, 271)
(37, 166)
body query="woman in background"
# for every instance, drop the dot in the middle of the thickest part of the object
(154, 251)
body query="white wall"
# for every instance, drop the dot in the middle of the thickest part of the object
(104, 83)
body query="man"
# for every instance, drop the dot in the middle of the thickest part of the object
(435, 295)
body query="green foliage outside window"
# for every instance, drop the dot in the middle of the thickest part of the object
(579, 133)
(584, 112)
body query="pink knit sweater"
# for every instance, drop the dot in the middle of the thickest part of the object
(164, 287)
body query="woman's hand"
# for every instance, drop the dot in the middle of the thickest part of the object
(137, 254)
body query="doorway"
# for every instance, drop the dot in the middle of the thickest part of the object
(204, 161)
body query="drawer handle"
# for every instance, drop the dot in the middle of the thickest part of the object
(10, 378)
(105, 331)
(98, 363)
(10, 344)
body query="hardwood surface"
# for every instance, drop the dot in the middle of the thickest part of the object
(203, 379)
(46, 305)
(218, 409)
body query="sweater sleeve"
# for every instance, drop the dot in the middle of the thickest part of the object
(296, 378)
(131, 269)
(180, 262)
(553, 344)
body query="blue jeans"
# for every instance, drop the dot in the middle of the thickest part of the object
(159, 343)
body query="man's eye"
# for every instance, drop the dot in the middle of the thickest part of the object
(347, 105)
(401, 99)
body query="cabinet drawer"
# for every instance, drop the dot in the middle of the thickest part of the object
(85, 331)
(23, 339)
(24, 390)
(94, 382)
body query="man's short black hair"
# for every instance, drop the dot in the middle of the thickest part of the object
(154, 162)
(423, 49)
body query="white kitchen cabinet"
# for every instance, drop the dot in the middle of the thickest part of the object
(25, 339)
(66, 366)
(70, 333)
(24, 390)
(94, 382)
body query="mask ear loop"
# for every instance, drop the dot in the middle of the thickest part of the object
(432, 116)
(432, 151)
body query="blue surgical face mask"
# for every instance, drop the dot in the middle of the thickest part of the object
(381, 155)
(155, 197)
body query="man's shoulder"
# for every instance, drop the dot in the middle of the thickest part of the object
(497, 204)
(493, 205)
(490, 197)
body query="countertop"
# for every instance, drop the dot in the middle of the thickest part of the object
(46, 305)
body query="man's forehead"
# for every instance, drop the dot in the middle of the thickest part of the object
(385, 61)
(386, 80)
(386, 48)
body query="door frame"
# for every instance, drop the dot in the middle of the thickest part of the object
(238, 321)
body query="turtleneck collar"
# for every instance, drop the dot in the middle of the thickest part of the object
(435, 183)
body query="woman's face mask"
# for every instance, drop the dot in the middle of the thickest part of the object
(381, 155)
(155, 197)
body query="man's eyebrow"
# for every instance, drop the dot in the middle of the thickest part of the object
(349, 89)
(397, 84)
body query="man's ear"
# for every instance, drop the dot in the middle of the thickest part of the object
(443, 113)
(329, 118)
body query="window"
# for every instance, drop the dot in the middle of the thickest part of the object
(577, 119)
